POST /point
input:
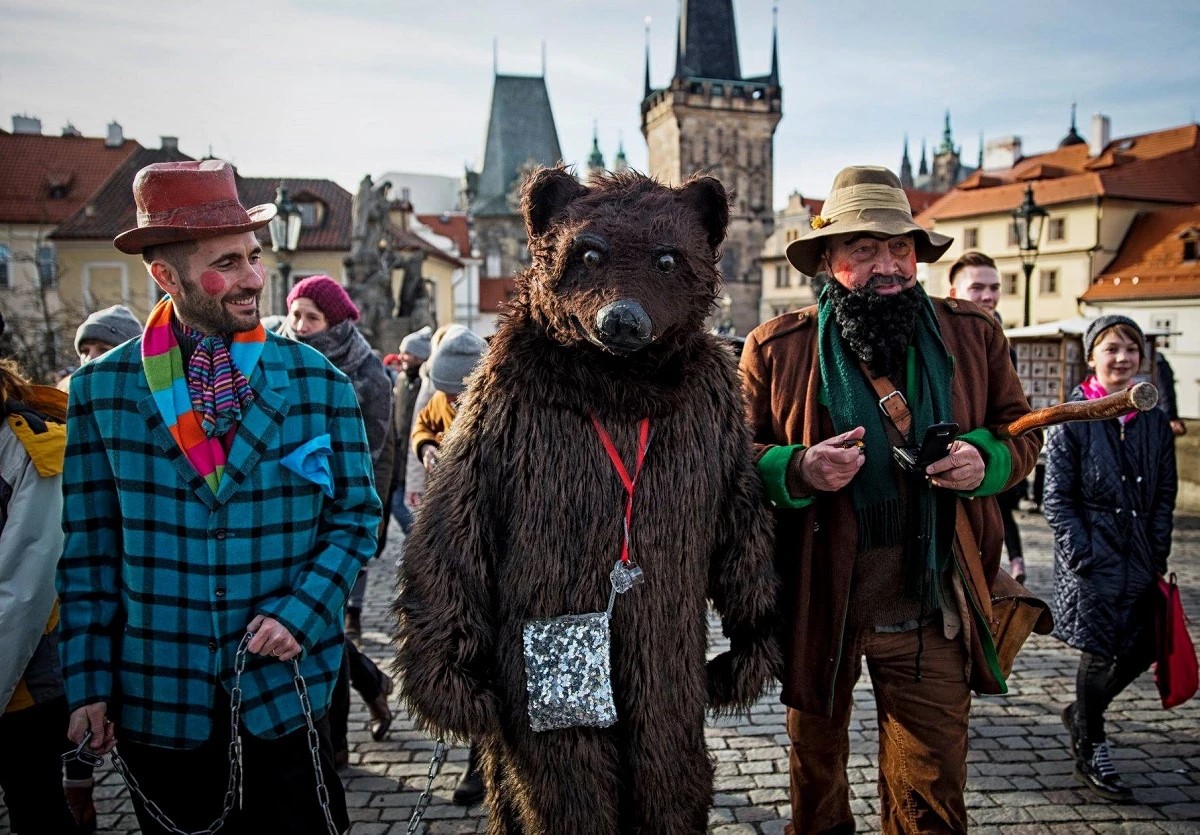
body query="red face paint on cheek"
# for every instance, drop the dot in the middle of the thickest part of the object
(212, 283)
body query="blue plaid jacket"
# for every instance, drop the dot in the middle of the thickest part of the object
(160, 577)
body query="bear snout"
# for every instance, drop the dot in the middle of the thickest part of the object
(624, 326)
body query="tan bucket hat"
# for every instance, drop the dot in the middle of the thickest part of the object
(864, 198)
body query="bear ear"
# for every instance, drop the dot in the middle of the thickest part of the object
(707, 196)
(546, 193)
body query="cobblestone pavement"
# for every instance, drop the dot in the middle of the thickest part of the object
(1020, 776)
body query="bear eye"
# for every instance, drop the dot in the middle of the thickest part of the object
(665, 263)
(592, 258)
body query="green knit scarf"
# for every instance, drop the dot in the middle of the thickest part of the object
(852, 402)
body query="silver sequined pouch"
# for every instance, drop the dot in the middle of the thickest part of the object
(568, 664)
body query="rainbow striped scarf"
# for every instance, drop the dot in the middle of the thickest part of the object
(162, 361)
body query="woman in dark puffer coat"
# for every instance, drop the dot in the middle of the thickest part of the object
(1110, 495)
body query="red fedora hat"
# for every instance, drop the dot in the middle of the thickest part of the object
(188, 201)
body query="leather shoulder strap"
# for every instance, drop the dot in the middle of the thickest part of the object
(892, 402)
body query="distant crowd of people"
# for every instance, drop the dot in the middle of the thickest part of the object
(222, 485)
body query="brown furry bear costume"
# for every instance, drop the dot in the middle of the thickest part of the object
(524, 516)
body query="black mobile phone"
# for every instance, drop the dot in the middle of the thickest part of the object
(936, 444)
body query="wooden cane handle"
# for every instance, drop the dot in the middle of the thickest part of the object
(1141, 398)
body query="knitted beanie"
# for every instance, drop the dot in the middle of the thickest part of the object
(1104, 323)
(326, 294)
(456, 358)
(418, 343)
(112, 326)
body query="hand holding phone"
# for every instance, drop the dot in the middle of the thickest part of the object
(936, 444)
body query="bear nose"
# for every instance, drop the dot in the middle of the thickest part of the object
(624, 326)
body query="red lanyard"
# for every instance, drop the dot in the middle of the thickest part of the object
(619, 466)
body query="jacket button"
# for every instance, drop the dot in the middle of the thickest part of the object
(952, 304)
(220, 533)
(212, 646)
(220, 592)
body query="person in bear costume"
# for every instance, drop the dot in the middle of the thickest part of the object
(525, 516)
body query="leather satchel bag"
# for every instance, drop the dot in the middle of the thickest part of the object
(1016, 612)
(1175, 672)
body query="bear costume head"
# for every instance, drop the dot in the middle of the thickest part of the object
(623, 275)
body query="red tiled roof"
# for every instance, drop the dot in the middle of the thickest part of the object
(1149, 264)
(411, 240)
(1162, 166)
(813, 205)
(494, 293)
(452, 225)
(31, 164)
(919, 200)
(332, 232)
(111, 209)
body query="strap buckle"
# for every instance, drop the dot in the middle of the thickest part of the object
(883, 401)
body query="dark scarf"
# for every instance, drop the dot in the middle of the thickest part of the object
(852, 402)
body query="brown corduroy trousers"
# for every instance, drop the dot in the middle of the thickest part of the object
(922, 737)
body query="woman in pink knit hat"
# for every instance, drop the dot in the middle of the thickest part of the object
(322, 315)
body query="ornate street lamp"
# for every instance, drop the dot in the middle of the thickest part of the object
(1027, 222)
(285, 237)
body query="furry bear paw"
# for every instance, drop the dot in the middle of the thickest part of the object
(738, 677)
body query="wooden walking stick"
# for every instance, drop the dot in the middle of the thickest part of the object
(1141, 398)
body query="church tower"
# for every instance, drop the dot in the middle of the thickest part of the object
(713, 120)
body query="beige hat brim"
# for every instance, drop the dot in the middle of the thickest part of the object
(804, 253)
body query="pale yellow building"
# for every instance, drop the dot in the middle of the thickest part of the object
(1092, 193)
(784, 288)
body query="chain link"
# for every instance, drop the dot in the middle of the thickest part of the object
(234, 790)
(435, 765)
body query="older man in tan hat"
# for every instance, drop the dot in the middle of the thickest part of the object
(872, 414)
(218, 503)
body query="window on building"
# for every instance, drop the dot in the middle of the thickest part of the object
(1008, 284)
(782, 279)
(6, 277)
(1048, 282)
(1190, 248)
(971, 237)
(1012, 236)
(47, 266)
(1166, 324)
(1057, 229)
(310, 214)
(492, 268)
(801, 280)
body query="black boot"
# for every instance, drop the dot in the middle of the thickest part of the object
(469, 790)
(1068, 720)
(1095, 770)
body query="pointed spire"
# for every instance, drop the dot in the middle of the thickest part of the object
(1072, 137)
(595, 158)
(646, 94)
(906, 177)
(620, 163)
(495, 56)
(543, 58)
(947, 146)
(707, 41)
(980, 164)
(923, 170)
(774, 77)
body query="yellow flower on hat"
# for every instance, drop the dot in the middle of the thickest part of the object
(817, 222)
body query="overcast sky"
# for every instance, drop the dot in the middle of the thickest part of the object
(340, 88)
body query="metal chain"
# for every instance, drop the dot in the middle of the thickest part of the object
(235, 785)
(435, 765)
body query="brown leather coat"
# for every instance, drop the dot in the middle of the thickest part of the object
(816, 545)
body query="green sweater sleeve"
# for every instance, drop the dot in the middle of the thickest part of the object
(997, 462)
(772, 468)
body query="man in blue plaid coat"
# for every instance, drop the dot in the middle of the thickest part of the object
(217, 481)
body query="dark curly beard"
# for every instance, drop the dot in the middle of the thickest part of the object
(876, 328)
